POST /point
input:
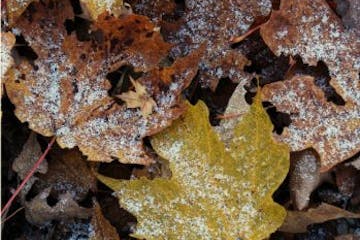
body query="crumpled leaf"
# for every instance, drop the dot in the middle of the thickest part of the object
(304, 177)
(297, 221)
(68, 172)
(7, 43)
(38, 212)
(138, 99)
(94, 8)
(65, 93)
(312, 30)
(212, 194)
(332, 130)
(15, 8)
(102, 229)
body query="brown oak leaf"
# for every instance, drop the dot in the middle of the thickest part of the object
(332, 130)
(65, 92)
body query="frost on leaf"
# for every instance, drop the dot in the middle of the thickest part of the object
(14, 9)
(65, 91)
(212, 194)
(214, 23)
(332, 130)
(310, 29)
(7, 43)
(94, 8)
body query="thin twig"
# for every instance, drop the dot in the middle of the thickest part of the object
(13, 214)
(28, 176)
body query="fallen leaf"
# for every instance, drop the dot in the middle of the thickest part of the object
(347, 237)
(350, 14)
(7, 43)
(311, 29)
(65, 92)
(68, 172)
(38, 212)
(355, 163)
(304, 177)
(332, 130)
(347, 177)
(15, 8)
(212, 194)
(28, 156)
(215, 23)
(102, 229)
(94, 8)
(138, 99)
(297, 221)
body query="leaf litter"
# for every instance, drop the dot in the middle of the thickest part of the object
(63, 91)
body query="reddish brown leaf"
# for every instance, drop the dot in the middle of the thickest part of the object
(65, 93)
(102, 229)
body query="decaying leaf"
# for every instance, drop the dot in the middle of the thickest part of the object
(65, 92)
(350, 12)
(310, 29)
(102, 229)
(138, 99)
(216, 23)
(94, 8)
(7, 43)
(68, 172)
(304, 177)
(355, 163)
(28, 156)
(38, 212)
(333, 131)
(30, 153)
(212, 194)
(347, 177)
(15, 8)
(297, 221)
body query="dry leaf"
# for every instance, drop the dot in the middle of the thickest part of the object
(38, 212)
(7, 43)
(138, 99)
(65, 93)
(94, 8)
(215, 23)
(355, 163)
(14, 9)
(102, 229)
(332, 130)
(310, 29)
(350, 14)
(347, 177)
(28, 156)
(296, 221)
(212, 194)
(68, 172)
(304, 177)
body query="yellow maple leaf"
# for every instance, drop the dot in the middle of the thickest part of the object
(214, 193)
(138, 99)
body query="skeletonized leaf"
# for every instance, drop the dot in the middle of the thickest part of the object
(212, 194)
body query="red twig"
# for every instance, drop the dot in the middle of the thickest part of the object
(28, 176)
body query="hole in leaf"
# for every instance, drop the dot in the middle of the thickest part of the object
(23, 49)
(280, 120)
(51, 200)
(120, 80)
